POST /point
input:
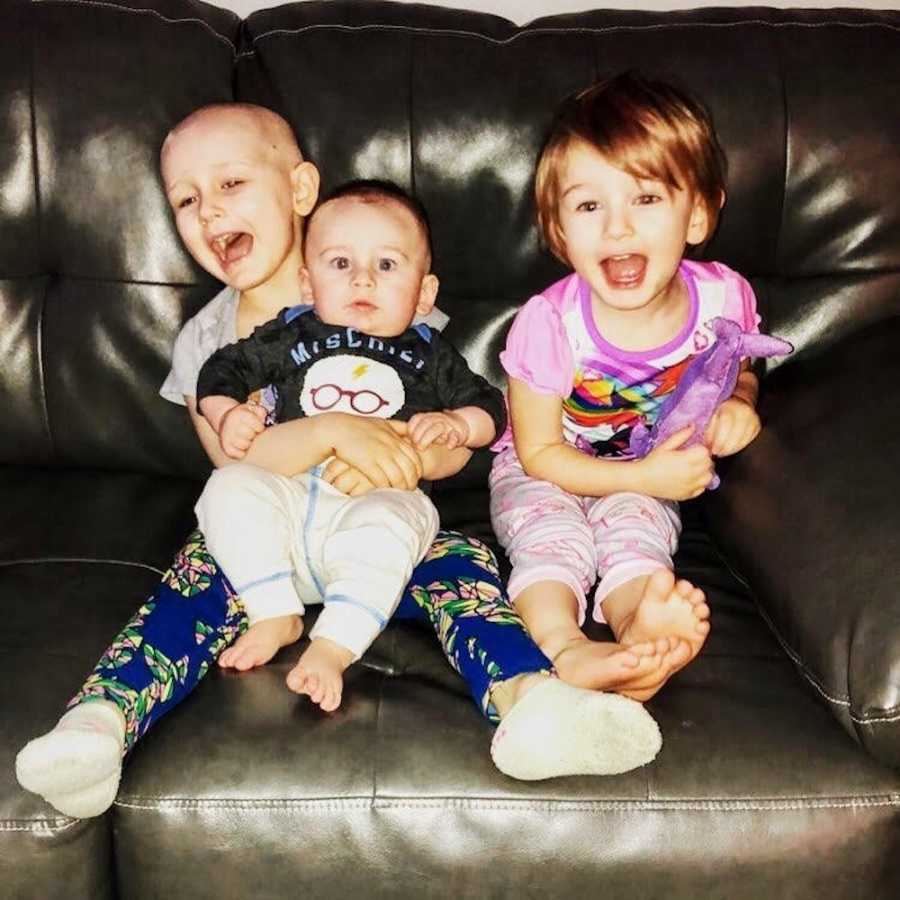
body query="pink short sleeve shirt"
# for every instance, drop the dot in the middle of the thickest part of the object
(554, 347)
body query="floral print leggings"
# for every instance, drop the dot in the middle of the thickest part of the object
(162, 654)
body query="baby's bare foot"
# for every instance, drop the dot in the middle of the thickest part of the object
(320, 673)
(261, 642)
(605, 665)
(668, 609)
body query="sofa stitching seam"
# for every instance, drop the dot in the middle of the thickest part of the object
(26, 561)
(336, 804)
(190, 20)
(451, 32)
(42, 825)
(544, 31)
(891, 714)
(882, 715)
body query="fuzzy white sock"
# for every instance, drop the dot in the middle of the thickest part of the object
(76, 767)
(85, 802)
(557, 729)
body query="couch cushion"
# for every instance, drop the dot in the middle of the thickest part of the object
(245, 774)
(809, 513)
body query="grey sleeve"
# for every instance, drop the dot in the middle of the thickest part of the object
(187, 358)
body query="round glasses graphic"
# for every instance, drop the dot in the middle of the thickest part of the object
(365, 402)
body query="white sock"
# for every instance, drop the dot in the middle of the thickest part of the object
(76, 767)
(557, 729)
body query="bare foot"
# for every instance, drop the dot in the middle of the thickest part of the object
(668, 609)
(261, 642)
(675, 611)
(594, 665)
(320, 673)
(642, 688)
(605, 665)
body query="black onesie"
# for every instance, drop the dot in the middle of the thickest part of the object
(313, 368)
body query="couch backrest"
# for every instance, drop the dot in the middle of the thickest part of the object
(94, 284)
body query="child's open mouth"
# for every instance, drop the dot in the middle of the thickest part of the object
(625, 271)
(232, 246)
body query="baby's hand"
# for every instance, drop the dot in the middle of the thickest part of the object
(430, 428)
(239, 426)
(346, 478)
(734, 425)
(671, 472)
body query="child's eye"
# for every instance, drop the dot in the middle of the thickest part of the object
(231, 183)
(340, 262)
(185, 202)
(386, 265)
(587, 206)
(648, 199)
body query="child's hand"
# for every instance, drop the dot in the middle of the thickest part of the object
(346, 478)
(671, 473)
(430, 428)
(378, 448)
(239, 426)
(734, 425)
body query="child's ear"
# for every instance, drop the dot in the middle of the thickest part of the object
(305, 187)
(428, 292)
(700, 225)
(306, 291)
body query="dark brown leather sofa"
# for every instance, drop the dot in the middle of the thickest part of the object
(778, 777)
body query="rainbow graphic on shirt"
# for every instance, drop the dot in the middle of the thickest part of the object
(602, 409)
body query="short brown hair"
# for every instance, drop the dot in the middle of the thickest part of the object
(650, 129)
(374, 190)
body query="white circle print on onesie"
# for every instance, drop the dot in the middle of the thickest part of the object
(352, 384)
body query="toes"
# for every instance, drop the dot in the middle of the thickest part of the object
(296, 680)
(651, 680)
(648, 665)
(332, 699)
(667, 643)
(645, 648)
(660, 584)
(314, 688)
(246, 659)
(684, 590)
(680, 655)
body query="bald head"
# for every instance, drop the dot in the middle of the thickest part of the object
(274, 134)
(238, 188)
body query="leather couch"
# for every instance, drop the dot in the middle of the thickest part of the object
(779, 771)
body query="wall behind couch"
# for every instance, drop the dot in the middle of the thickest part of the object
(521, 11)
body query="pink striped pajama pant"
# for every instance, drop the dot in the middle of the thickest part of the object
(551, 535)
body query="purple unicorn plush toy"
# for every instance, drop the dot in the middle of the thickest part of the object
(708, 380)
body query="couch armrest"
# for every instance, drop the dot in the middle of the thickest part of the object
(810, 515)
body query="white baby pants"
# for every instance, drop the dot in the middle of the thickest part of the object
(286, 542)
